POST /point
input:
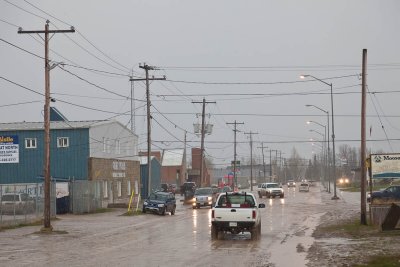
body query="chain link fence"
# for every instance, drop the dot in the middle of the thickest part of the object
(86, 196)
(24, 203)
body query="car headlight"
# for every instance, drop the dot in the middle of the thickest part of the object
(346, 181)
(145, 203)
(160, 205)
(209, 198)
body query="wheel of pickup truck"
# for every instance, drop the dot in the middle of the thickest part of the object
(173, 211)
(282, 196)
(214, 232)
(163, 211)
(259, 195)
(255, 232)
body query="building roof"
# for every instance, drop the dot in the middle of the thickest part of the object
(143, 159)
(172, 157)
(28, 126)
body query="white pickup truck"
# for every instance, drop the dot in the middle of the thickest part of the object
(236, 212)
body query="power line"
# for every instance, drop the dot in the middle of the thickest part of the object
(20, 48)
(98, 86)
(29, 12)
(9, 23)
(21, 103)
(86, 39)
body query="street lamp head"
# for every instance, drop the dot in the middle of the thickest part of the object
(308, 122)
(303, 76)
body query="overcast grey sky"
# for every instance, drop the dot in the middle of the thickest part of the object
(229, 42)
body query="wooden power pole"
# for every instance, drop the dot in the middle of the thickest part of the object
(251, 158)
(234, 151)
(147, 79)
(363, 139)
(204, 102)
(46, 168)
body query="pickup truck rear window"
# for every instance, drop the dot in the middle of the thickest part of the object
(237, 201)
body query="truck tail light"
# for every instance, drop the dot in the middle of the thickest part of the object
(213, 214)
(254, 214)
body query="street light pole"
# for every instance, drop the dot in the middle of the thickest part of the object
(323, 149)
(333, 134)
(329, 149)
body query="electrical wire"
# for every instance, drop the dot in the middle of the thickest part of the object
(9, 23)
(21, 103)
(20, 48)
(98, 86)
(86, 39)
(379, 117)
(29, 12)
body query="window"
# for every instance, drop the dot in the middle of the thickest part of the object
(128, 188)
(30, 143)
(119, 188)
(117, 147)
(62, 142)
(104, 144)
(105, 189)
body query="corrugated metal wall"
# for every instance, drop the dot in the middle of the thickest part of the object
(155, 175)
(64, 162)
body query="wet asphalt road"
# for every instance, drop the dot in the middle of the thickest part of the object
(180, 240)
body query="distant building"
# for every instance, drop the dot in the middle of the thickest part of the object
(194, 173)
(173, 166)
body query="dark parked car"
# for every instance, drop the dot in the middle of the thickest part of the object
(392, 193)
(160, 202)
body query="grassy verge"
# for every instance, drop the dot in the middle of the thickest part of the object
(382, 261)
(349, 229)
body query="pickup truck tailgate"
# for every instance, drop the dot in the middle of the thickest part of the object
(235, 214)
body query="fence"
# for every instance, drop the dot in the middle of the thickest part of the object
(85, 196)
(24, 203)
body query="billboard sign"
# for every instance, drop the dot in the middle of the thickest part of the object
(385, 165)
(9, 149)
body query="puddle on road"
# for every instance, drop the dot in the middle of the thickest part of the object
(293, 248)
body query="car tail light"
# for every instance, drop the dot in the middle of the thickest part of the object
(213, 214)
(254, 214)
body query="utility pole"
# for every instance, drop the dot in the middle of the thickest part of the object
(147, 79)
(262, 151)
(363, 139)
(234, 152)
(270, 165)
(204, 102)
(133, 119)
(46, 169)
(251, 158)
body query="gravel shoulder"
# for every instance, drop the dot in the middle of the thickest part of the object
(340, 240)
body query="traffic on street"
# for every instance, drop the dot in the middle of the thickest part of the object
(183, 239)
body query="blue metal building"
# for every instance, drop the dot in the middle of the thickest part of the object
(155, 175)
(72, 143)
